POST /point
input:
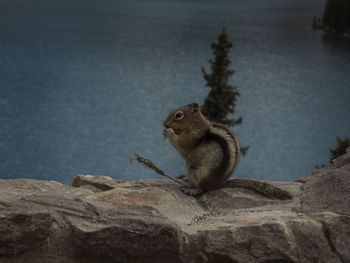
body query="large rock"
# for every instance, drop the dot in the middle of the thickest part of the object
(106, 220)
(328, 188)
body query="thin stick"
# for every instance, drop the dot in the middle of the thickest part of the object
(149, 164)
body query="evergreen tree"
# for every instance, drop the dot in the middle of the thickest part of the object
(342, 145)
(221, 100)
(222, 96)
(336, 16)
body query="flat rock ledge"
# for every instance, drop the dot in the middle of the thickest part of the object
(99, 219)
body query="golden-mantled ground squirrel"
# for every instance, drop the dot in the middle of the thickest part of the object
(211, 150)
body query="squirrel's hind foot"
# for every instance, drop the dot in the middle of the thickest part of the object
(192, 191)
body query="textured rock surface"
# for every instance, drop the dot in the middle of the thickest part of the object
(106, 220)
(328, 188)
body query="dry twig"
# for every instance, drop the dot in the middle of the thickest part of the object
(149, 164)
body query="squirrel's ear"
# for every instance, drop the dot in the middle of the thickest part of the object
(194, 107)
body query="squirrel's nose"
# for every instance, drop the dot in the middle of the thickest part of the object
(165, 124)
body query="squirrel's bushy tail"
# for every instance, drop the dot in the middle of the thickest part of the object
(259, 187)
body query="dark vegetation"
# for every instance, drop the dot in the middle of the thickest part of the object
(336, 17)
(342, 145)
(220, 104)
(222, 97)
(340, 149)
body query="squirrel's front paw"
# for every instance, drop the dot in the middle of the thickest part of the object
(168, 132)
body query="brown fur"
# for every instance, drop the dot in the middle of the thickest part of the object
(211, 150)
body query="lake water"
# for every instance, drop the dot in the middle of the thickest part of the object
(85, 84)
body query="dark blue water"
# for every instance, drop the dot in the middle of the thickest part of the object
(84, 85)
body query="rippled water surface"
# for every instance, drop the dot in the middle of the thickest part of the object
(84, 85)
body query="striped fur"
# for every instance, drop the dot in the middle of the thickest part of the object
(212, 162)
(211, 150)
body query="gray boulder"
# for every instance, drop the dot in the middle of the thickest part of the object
(104, 220)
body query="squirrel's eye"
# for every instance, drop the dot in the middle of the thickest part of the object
(179, 115)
